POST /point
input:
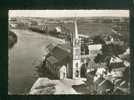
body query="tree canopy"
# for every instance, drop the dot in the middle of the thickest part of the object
(98, 39)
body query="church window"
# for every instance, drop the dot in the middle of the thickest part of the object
(76, 65)
(77, 73)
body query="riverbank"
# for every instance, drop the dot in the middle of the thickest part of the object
(12, 39)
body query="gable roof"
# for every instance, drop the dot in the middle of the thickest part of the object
(115, 60)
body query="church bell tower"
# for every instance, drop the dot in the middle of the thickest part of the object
(76, 54)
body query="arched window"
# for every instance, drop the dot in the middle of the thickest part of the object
(77, 65)
(77, 73)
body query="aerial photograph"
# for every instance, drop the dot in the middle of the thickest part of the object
(68, 52)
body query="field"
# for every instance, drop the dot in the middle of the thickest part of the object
(91, 26)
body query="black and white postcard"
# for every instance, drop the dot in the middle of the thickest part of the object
(62, 52)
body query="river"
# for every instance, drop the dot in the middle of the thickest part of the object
(23, 58)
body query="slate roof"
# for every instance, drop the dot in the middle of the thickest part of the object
(106, 84)
(58, 55)
(103, 84)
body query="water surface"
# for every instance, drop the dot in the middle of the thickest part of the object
(23, 58)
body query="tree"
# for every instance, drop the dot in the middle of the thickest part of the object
(12, 39)
(98, 40)
(113, 49)
(108, 51)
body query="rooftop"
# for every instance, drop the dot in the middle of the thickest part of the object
(95, 47)
(58, 53)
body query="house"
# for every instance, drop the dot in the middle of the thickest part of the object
(127, 51)
(92, 65)
(39, 28)
(83, 37)
(58, 29)
(117, 67)
(100, 71)
(109, 39)
(94, 49)
(13, 25)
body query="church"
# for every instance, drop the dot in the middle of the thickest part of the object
(64, 61)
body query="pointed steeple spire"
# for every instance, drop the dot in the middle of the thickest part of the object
(76, 30)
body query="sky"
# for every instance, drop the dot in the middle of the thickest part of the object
(68, 13)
